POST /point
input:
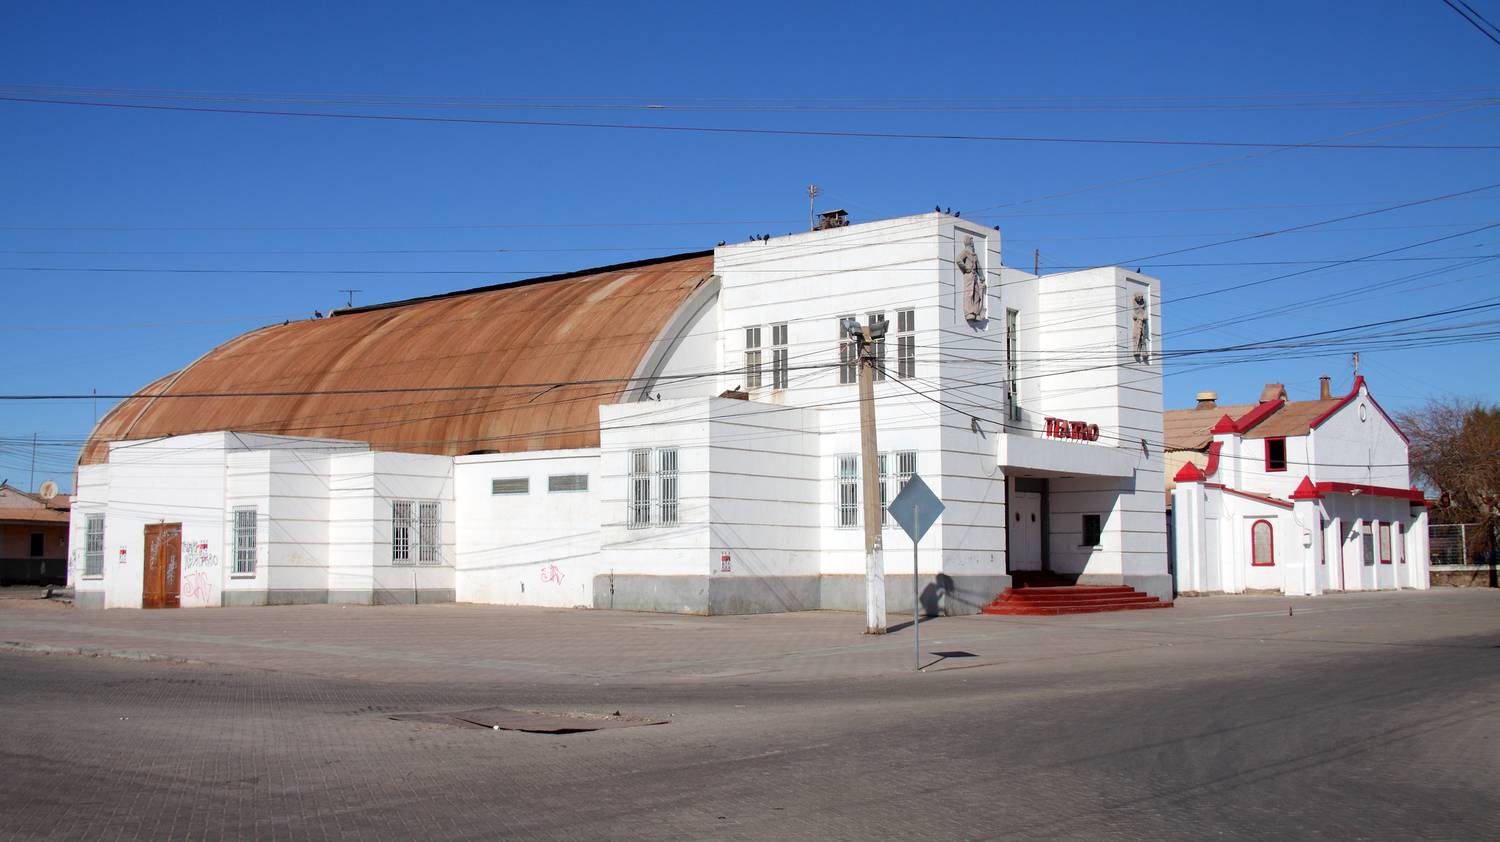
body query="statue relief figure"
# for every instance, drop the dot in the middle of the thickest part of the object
(1141, 329)
(974, 285)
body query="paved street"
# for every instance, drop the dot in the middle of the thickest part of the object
(1359, 717)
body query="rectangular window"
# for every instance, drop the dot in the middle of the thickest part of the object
(402, 524)
(429, 532)
(848, 479)
(638, 507)
(1276, 454)
(879, 347)
(568, 482)
(752, 358)
(906, 344)
(1385, 543)
(1092, 531)
(37, 545)
(245, 523)
(1367, 542)
(1400, 545)
(666, 484)
(885, 493)
(93, 552)
(779, 370)
(510, 485)
(906, 467)
(848, 355)
(1012, 366)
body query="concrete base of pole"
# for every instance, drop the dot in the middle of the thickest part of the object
(875, 592)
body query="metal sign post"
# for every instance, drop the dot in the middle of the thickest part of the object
(916, 509)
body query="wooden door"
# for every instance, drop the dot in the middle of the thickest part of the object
(163, 575)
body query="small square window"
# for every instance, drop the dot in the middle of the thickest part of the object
(1092, 530)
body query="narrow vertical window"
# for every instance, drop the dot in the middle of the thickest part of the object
(906, 344)
(848, 479)
(1385, 543)
(1262, 549)
(401, 529)
(779, 370)
(244, 540)
(1012, 366)
(638, 507)
(848, 354)
(38, 545)
(752, 358)
(93, 552)
(666, 485)
(429, 532)
(1400, 545)
(1367, 543)
(885, 495)
(1093, 530)
(878, 347)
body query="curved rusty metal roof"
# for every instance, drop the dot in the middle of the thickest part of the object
(402, 376)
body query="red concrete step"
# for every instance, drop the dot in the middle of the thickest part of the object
(1070, 599)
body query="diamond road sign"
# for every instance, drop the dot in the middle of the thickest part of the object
(916, 508)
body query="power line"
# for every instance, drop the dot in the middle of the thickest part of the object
(737, 130)
(1475, 19)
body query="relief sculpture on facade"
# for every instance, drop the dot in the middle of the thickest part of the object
(1141, 329)
(974, 285)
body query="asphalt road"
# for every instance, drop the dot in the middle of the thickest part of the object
(1374, 717)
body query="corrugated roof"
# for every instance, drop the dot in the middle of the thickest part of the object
(321, 378)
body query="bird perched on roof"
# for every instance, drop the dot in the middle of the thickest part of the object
(317, 314)
(937, 208)
(721, 242)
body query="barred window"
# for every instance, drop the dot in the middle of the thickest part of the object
(885, 497)
(93, 553)
(244, 540)
(568, 482)
(779, 378)
(848, 479)
(906, 344)
(638, 507)
(401, 529)
(666, 485)
(752, 358)
(904, 463)
(1012, 366)
(848, 354)
(429, 532)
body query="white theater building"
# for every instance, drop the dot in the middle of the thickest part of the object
(679, 434)
(1299, 497)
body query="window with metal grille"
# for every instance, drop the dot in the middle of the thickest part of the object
(1092, 531)
(752, 358)
(885, 495)
(429, 532)
(510, 485)
(848, 354)
(638, 506)
(779, 378)
(906, 344)
(899, 466)
(848, 480)
(93, 552)
(568, 482)
(1012, 366)
(878, 347)
(401, 529)
(244, 540)
(666, 485)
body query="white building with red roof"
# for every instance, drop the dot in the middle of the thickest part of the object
(1299, 497)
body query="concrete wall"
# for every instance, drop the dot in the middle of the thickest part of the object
(537, 548)
(1358, 445)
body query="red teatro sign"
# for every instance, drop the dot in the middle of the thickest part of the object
(1059, 428)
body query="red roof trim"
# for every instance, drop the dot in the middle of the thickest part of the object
(1225, 425)
(1261, 412)
(1306, 490)
(1259, 498)
(1373, 490)
(1213, 458)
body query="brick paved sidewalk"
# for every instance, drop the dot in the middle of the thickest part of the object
(569, 646)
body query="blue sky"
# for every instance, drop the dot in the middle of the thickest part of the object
(85, 187)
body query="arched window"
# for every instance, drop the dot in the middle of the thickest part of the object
(1262, 550)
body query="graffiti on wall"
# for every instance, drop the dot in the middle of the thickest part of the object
(195, 555)
(551, 573)
(197, 586)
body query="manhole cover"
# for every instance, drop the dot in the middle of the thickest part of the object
(530, 721)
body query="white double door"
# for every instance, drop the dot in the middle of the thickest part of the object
(1024, 522)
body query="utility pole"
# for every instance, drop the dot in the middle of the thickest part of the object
(812, 214)
(1036, 262)
(869, 468)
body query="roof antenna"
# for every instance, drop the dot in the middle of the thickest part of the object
(812, 215)
(351, 295)
(1356, 363)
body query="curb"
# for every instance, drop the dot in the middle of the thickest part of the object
(24, 648)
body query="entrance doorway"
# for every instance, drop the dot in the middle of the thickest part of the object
(163, 574)
(1025, 523)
